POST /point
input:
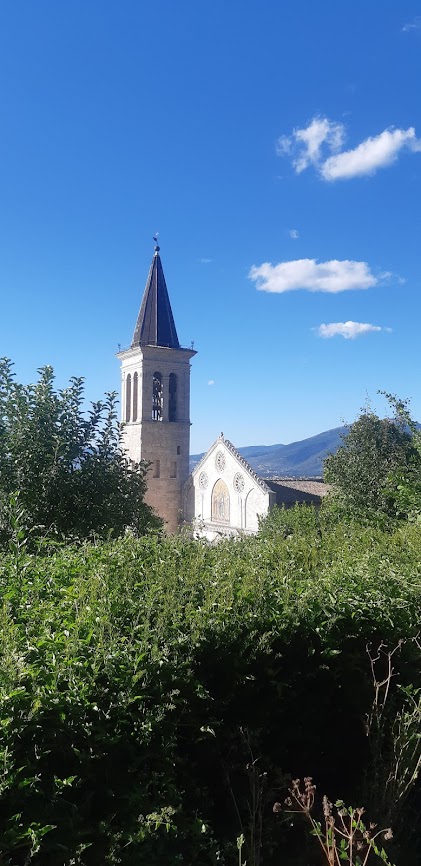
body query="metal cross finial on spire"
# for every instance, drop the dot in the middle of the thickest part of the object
(155, 238)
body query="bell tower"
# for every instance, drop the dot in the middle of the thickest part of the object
(155, 399)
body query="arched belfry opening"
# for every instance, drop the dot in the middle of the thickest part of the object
(172, 398)
(135, 395)
(157, 397)
(220, 502)
(128, 397)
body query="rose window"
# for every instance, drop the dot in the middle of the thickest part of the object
(220, 461)
(238, 482)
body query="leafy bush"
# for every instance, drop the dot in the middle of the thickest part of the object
(376, 473)
(373, 449)
(152, 690)
(71, 475)
(404, 484)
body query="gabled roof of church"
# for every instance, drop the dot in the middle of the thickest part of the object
(288, 491)
(155, 322)
(221, 440)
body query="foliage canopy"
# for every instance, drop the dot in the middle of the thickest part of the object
(145, 684)
(70, 473)
(153, 690)
(374, 452)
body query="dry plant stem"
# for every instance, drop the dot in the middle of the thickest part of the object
(380, 699)
(340, 840)
(252, 834)
(405, 763)
(305, 803)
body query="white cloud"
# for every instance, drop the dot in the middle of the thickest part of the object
(348, 330)
(205, 261)
(319, 144)
(333, 276)
(370, 155)
(412, 25)
(306, 144)
(211, 382)
(294, 234)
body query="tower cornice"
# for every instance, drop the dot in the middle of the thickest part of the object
(161, 352)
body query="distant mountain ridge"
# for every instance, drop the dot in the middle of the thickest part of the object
(298, 459)
(302, 459)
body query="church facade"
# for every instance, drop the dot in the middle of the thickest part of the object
(223, 495)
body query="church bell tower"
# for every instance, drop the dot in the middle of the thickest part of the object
(155, 399)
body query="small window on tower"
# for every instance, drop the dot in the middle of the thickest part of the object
(157, 469)
(178, 449)
(128, 397)
(172, 402)
(135, 390)
(173, 469)
(157, 397)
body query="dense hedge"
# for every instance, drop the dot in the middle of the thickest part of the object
(148, 685)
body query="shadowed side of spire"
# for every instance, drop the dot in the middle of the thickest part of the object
(155, 323)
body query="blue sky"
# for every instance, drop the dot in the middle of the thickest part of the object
(276, 149)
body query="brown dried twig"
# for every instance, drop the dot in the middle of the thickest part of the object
(343, 837)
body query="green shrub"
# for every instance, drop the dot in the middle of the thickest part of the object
(138, 676)
(67, 465)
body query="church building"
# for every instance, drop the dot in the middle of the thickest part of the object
(223, 495)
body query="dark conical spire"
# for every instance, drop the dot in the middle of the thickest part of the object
(155, 323)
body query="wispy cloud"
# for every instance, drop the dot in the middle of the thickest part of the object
(205, 261)
(305, 145)
(348, 330)
(211, 382)
(294, 234)
(389, 276)
(332, 276)
(320, 144)
(412, 25)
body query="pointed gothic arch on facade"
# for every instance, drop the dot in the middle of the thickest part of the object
(220, 502)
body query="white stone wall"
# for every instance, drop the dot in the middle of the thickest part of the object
(248, 498)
